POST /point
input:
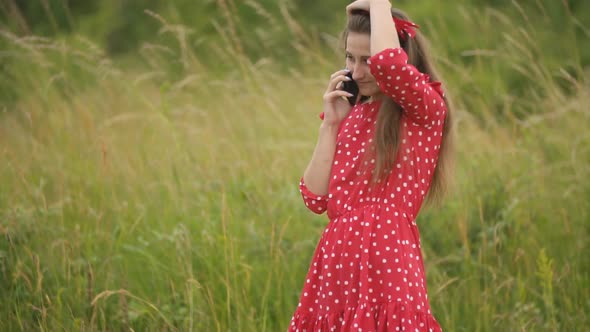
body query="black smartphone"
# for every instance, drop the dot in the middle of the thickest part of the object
(351, 87)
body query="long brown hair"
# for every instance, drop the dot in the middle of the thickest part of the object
(387, 131)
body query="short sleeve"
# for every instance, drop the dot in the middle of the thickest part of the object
(316, 203)
(422, 100)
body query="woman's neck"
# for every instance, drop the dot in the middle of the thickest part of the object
(374, 98)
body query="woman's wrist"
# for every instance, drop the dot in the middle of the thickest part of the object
(329, 129)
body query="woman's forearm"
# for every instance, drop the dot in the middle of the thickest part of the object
(383, 32)
(317, 174)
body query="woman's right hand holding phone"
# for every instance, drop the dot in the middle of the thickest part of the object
(336, 108)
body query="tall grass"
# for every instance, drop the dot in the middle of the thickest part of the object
(166, 198)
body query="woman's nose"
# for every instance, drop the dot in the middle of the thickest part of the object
(358, 71)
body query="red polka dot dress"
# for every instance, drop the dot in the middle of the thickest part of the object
(367, 272)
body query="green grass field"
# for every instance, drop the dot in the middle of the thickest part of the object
(157, 194)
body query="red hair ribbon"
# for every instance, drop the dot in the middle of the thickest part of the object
(405, 26)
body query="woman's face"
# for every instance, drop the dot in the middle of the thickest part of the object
(358, 51)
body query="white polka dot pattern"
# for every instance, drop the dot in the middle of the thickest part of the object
(367, 272)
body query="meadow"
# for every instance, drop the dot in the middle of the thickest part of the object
(158, 190)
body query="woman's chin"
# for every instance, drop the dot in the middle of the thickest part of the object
(368, 92)
(365, 92)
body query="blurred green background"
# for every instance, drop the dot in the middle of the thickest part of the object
(150, 153)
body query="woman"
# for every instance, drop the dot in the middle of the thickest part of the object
(374, 165)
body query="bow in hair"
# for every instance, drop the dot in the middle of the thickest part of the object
(403, 27)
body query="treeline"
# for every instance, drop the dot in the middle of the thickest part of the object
(121, 26)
